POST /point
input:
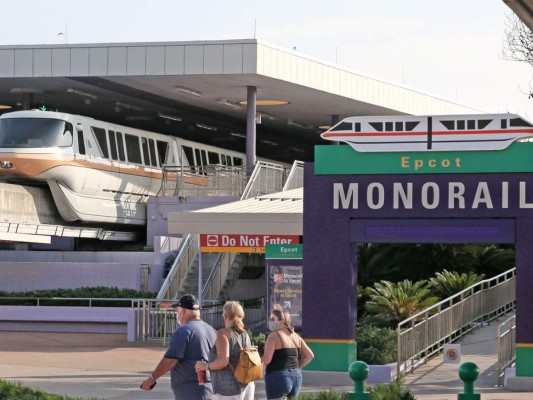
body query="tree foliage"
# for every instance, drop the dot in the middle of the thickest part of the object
(446, 284)
(395, 302)
(518, 44)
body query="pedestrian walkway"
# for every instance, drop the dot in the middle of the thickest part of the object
(439, 381)
(106, 366)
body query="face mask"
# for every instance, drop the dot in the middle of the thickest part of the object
(274, 325)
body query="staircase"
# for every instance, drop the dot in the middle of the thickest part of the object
(220, 271)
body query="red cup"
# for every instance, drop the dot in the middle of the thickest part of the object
(201, 377)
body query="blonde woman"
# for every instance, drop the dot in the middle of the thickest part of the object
(284, 356)
(226, 351)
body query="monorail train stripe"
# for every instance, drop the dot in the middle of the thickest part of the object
(395, 134)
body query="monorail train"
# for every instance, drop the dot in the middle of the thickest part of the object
(437, 132)
(97, 172)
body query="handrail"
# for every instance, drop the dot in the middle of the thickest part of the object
(274, 183)
(182, 253)
(296, 175)
(38, 300)
(424, 334)
(506, 346)
(211, 276)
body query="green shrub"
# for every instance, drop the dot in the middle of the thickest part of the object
(15, 391)
(258, 339)
(392, 391)
(83, 292)
(324, 395)
(375, 345)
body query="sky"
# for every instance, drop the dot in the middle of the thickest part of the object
(451, 49)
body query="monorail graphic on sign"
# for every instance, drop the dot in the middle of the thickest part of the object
(433, 133)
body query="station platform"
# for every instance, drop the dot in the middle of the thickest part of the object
(107, 366)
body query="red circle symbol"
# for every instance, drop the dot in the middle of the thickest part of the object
(212, 240)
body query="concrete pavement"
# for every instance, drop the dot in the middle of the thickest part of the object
(108, 367)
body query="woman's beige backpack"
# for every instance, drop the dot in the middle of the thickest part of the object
(249, 367)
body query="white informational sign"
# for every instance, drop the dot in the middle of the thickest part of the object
(452, 353)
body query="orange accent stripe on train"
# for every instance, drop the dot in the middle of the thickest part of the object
(33, 165)
(524, 345)
(330, 340)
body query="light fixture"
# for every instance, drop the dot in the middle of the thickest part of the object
(296, 149)
(138, 118)
(170, 117)
(5, 107)
(27, 90)
(270, 142)
(82, 93)
(239, 135)
(229, 104)
(127, 106)
(208, 127)
(325, 127)
(296, 124)
(266, 115)
(188, 91)
(266, 102)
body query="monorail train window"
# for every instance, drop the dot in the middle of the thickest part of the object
(146, 154)
(228, 160)
(343, 126)
(471, 124)
(162, 148)
(378, 126)
(461, 124)
(112, 144)
(357, 127)
(81, 143)
(410, 125)
(482, 123)
(237, 162)
(133, 149)
(388, 126)
(120, 143)
(450, 125)
(66, 139)
(189, 155)
(214, 158)
(153, 158)
(101, 139)
(503, 123)
(34, 132)
(518, 122)
(398, 126)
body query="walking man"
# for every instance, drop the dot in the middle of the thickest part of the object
(189, 343)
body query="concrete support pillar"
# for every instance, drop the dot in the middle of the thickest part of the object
(251, 110)
(27, 100)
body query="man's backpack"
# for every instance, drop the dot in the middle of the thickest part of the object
(249, 367)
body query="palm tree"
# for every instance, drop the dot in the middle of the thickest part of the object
(446, 284)
(395, 302)
(491, 260)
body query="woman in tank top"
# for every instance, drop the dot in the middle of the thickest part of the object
(226, 351)
(285, 354)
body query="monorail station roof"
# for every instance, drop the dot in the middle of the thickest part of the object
(196, 90)
(262, 215)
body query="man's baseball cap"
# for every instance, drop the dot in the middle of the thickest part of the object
(187, 301)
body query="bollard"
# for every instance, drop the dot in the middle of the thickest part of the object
(468, 372)
(358, 373)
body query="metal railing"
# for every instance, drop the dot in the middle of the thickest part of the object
(506, 346)
(295, 179)
(156, 320)
(424, 334)
(218, 276)
(266, 178)
(187, 253)
(202, 180)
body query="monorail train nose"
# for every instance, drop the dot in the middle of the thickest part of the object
(6, 164)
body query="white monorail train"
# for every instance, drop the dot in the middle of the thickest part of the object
(97, 172)
(437, 132)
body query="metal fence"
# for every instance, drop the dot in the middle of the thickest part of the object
(506, 346)
(156, 320)
(202, 180)
(424, 334)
